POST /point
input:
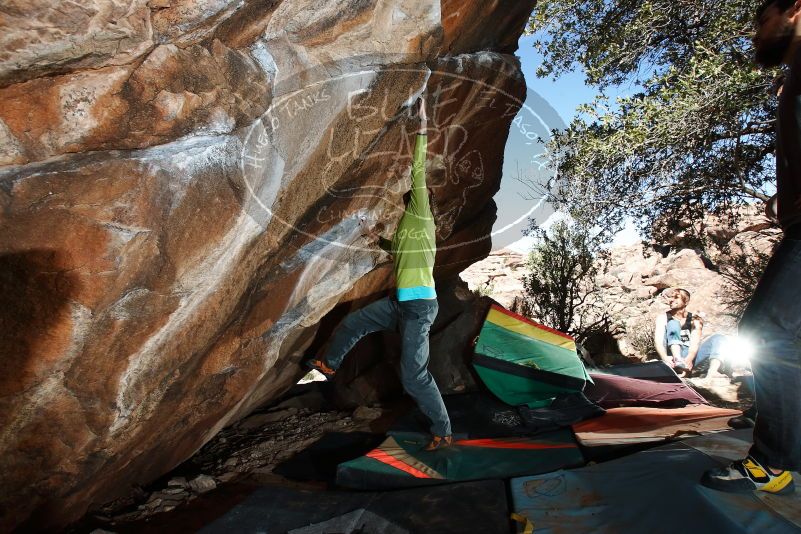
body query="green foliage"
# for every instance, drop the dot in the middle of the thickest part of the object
(485, 290)
(741, 272)
(697, 136)
(640, 337)
(562, 267)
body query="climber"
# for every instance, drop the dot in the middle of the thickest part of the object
(412, 307)
(773, 316)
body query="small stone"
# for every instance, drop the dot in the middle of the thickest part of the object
(365, 413)
(177, 482)
(645, 292)
(625, 278)
(202, 484)
(312, 400)
(231, 462)
(259, 420)
(130, 516)
(174, 491)
(226, 477)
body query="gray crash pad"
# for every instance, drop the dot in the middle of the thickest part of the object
(456, 508)
(655, 491)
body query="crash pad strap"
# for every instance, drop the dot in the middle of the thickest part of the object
(547, 377)
(528, 526)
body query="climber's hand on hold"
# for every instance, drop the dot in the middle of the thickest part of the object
(364, 228)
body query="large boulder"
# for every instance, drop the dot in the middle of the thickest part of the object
(181, 183)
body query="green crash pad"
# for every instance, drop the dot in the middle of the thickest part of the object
(525, 363)
(401, 462)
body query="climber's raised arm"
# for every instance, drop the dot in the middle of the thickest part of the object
(419, 194)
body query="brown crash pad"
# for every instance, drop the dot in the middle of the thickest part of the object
(613, 391)
(630, 425)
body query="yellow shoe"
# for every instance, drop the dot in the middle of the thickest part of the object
(745, 476)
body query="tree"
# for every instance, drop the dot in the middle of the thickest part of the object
(697, 136)
(560, 286)
(742, 266)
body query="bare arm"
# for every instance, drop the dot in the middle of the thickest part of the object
(695, 341)
(421, 113)
(659, 338)
(770, 209)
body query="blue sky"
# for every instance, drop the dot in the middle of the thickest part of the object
(549, 104)
(565, 94)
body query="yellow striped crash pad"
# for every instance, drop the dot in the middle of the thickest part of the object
(526, 363)
(401, 461)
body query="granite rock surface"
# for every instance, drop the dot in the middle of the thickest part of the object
(181, 184)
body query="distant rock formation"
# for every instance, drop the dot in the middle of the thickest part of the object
(499, 276)
(177, 179)
(631, 289)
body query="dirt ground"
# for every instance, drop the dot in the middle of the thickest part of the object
(239, 456)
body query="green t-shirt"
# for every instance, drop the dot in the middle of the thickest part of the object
(414, 245)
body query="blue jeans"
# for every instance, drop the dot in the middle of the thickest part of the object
(414, 318)
(773, 321)
(673, 337)
(710, 348)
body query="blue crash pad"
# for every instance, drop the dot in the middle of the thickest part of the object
(653, 491)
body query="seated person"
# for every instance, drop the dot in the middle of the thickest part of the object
(677, 337)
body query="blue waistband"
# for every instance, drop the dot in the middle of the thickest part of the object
(418, 292)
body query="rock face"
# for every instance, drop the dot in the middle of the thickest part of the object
(500, 275)
(181, 183)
